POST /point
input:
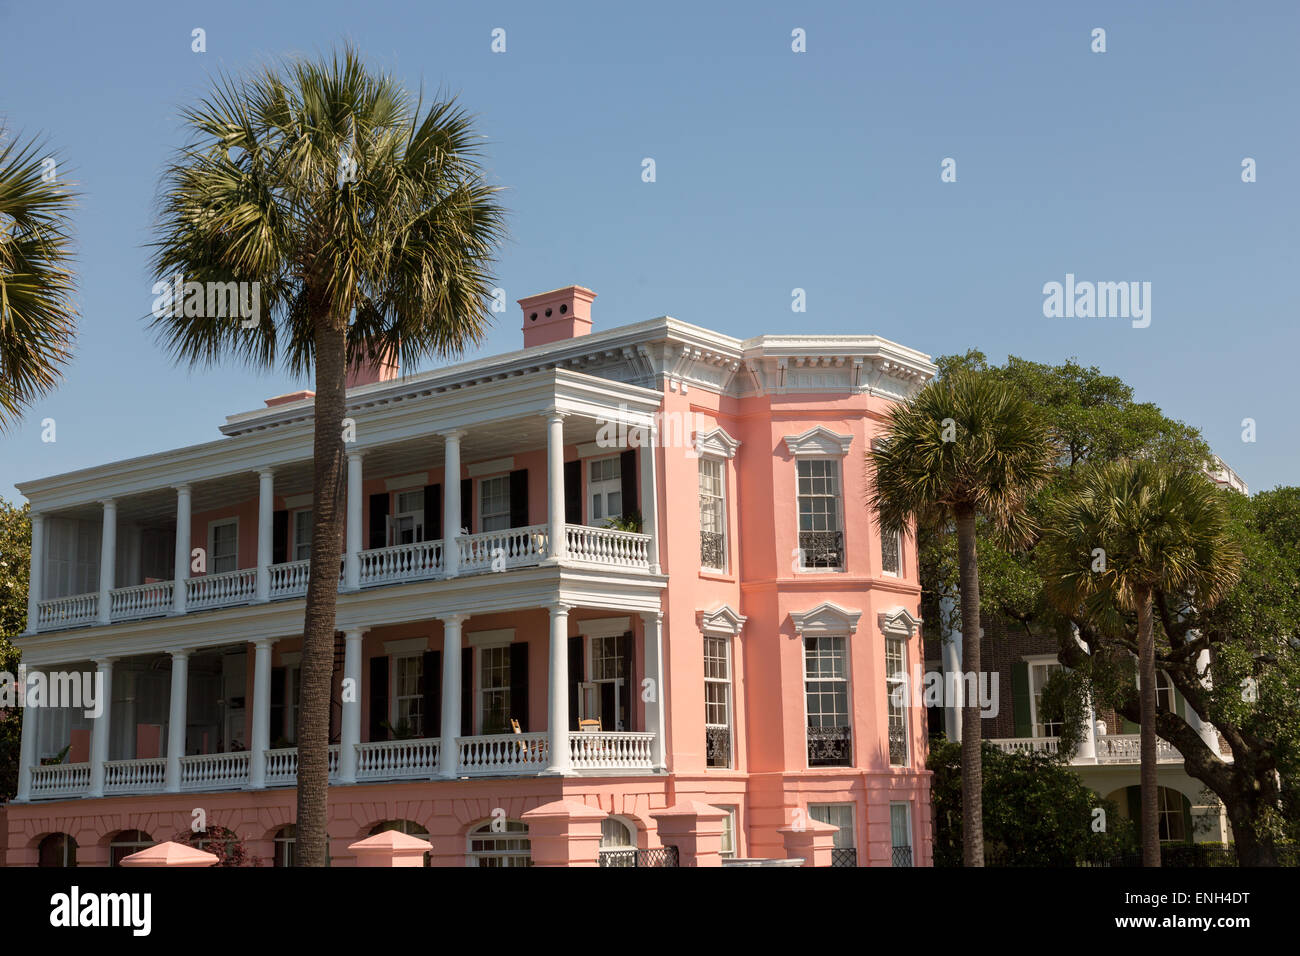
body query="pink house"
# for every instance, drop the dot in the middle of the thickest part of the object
(711, 668)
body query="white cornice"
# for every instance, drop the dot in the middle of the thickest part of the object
(721, 620)
(898, 622)
(605, 626)
(716, 443)
(826, 618)
(818, 442)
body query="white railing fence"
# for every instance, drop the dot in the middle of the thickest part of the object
(289, 580)
(221, 590)
(68, 611)
(503, 753)
(611, 751)
(60, 778)
(214, 771)
(141, 600)
(625, 549)
(401, 562)
(397, 759)
(500, 550)
(144, 775)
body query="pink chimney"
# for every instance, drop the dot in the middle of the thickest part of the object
(378, 368)
(557, 315)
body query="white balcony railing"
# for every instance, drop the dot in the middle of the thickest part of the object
(1011, 745)
(623, 549)
(397, 759)
(401, 562)
(67, 611)
(1111, 748)
(58, 779)
(503, 753)
(135, 776)
(142, 600)
(290, 579)
(611, 751)
(501, 550)
(221, 590)
(282, 765)
(215, 771)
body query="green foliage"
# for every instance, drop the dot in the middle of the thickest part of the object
(629, 522)
(15, 568)
(1036, 812)
(222, 841)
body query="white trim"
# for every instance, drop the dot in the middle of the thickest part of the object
(411, 645)
(407, 482)
(593, 449)
(212, 526)
(898, 623)
(484, 469)
(848, 684)
(502, 635)
(604, 627)
(826, 620)
(297, 501)
(717, 443)
(819, 442)
(722, 621)
(843, 530)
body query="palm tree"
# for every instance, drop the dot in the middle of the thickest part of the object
(38, 319)
(1128, 529)
(369, 225)
(965, 448)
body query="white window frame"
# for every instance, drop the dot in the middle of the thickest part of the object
(1035, 691)
(848, 691)
(897, 538)
(838, 467)
(418, 531)
(630, 829)
(906, 806)
(479, 671)
(893, 681)
(483, 514)
(730, 826)
(212, 543)
(724, 518)
(729, 688)
(483, 831)
(839, 841)
(295, 544)
(395, 699)
(589, 689)
(604, 488)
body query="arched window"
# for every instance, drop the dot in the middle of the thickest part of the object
(500, 843)
(1164, 691)
(1173, 822)
(127, 842)
(58, 849)
(286, 846)
(617, 843)
(403, 826)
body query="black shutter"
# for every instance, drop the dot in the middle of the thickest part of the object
(432, 691)
(277, 704)
(379, 520)
(627, 466)
(466, 691)
(573, 492)
(519, 683)
(378, 698)
(467, 505)
(576, 670)
(279, 537)
(631, 689)
(432, 512)
(519, 498)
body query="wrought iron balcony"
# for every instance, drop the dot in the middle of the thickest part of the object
(829, 747)
(821, 549)
(897, 747)
(717, 746)
(713, 550)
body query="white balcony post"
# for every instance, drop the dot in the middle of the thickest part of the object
(261, 713)
(1207, 731)
(1087, 752)
(177, 720)
(654, 668)
(99, 733)
(951, 661)
(350, 733)
(650, 496)
(27, 748)
(265, 531)
(107, 561)
(37, 573)
(352, 557)
(451, 504)
(557, 696)
(182, 571)
(555, 485)
(449, 749)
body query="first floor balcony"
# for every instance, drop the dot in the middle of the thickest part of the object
(1107, 749)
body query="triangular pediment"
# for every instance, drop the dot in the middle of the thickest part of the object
(899, 622)
(721, 620)
(819, 441)
(825, 618)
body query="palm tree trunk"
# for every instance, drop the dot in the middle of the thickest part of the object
(972, 770)
(322, 594)
(1147, 737)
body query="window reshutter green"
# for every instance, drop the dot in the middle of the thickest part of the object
(466, 691)
(573, 492)
(631, 689)
(378, 520)
(378, 697)
(519, 498)
(432, 691)
(279, 537)
(1020, 699)
(519, 683)
(432, 512)
(467, 505)
(576, 671)
(627, 476)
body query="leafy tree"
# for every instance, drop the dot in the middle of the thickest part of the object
(15, 568)
(367, 221)
(965, 447)
(224, 842)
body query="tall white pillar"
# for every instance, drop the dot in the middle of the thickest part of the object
(555, 486)
(181, 573)
(1087, 752)
(557, 696)
(107, 561)
(37, 574)
(650, 495)
(451, 504)
(654, 670)
(261, 713)
(350, 732)
(352, 556)
(99, 732)
(1207, 731)
(953, 683)
(449, 749)
(27, 749)
(177, 720)
(265, 531)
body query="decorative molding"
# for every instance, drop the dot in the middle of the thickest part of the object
(898, 623)
(411, 645)
(819, 442)
(721, 620)
(404, 482)
(497, 636)
(605, 626)
(716, 443)
(493, 467)
(826, 618)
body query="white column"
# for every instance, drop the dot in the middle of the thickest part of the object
(654, 670)
(182, 570)
(27, 748)
(350, 733)
(449, 750)
(261, 713)
(265, 531)
(555, 485)
(177, 720)
(36, 575)
(1087, 752)
(451, 505)
(107, 561)
(352, 556)
(1207, 731)
(558, 691)
(650, 495)
(99, 732)
(953, 683)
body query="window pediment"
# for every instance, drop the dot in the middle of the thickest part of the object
(721, 620)
(899, 623)
(820, 442)
(825, 618)
(716, 443)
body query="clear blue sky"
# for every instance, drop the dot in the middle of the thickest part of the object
(775, 170)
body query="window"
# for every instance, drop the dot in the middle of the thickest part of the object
(821, 539)
(826, 686)
(713, 516)
(1164, 691)
(605, 489)
(728, 833)
(1040, 672)
(494, 689)
(407, 525)
(126, 843)
(895, 691)
(494, 503)
(403, 826)
(617, 843)
(891, 553)
(500, 843)
(605, 695)
(408, 696)
(58, 849)
(223, 546)
(717, 701)
(1172, 821)
(900, 831)
(840, 815)
(286, 846)
(302, 534)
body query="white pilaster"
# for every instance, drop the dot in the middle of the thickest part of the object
(352, 556)
(449, 750)
(650, 495)
(99, 732)
(177, 720)
(36, 575)
(451, 505)
(558, 691)
(1087, 752)
(1207, 731)
(951, 649)
(265, 531)
(654, 669)
(261, 713)
(555, 499)
(182, 570)
(350, 732)
(107, 561)
(27, 749)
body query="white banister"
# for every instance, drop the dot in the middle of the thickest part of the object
(608, 546)
(501, 550)
(144, 775)
(214, 771)
(620, 750)
(141, 600)
(289, 580)
(68, 611)
(504, 753)
(221, 590)
(398, 759)
(400, 562)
